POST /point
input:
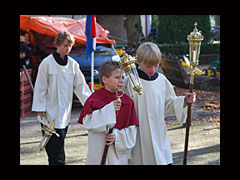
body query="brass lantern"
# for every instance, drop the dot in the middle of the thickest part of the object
(127, 63)
(195, 39)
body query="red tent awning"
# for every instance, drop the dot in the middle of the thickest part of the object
(53, 25)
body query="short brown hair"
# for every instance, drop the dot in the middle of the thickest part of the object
(106, 69)
(60, 37)
(148, 53)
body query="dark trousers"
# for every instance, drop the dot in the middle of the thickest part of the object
(55, 148)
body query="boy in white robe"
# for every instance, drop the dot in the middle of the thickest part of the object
(158, 98)
(99, 114)
(58, 77)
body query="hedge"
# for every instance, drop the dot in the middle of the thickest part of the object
(183, 48)
(175, 28)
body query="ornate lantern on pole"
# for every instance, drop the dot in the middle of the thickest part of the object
(195, 39)
(127, 63)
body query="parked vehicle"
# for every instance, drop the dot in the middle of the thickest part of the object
(101, 54)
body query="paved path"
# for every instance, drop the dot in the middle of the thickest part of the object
(204, 142)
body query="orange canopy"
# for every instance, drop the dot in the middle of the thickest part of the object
(53, 25)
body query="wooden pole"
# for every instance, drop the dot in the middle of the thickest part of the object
(188, 123)
(110, 130)
(29, 79)
(105, 150)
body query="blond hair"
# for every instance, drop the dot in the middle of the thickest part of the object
(60, 38)
(148, 53)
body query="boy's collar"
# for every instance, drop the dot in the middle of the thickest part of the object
(59, 60)
(144, 76)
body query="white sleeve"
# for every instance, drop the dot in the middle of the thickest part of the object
(100, 119)
(125, 139)
(80, 87)
(40, 89)
(175, 104)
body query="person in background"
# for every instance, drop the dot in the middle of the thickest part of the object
(58, 78)
(25, 51)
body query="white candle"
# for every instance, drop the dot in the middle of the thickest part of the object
(194, 56)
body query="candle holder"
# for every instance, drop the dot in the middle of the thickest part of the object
(127, 63)
(195, 38)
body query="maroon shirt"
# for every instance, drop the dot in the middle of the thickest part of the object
(126, 116)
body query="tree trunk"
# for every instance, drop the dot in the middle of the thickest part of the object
(115, 25)
(133, 29)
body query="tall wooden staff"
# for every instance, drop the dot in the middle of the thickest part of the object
(195, 39)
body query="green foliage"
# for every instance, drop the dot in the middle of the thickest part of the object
(173, 31)
(182, 48)
(176, 49)
(175, 28)
(210, 48)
